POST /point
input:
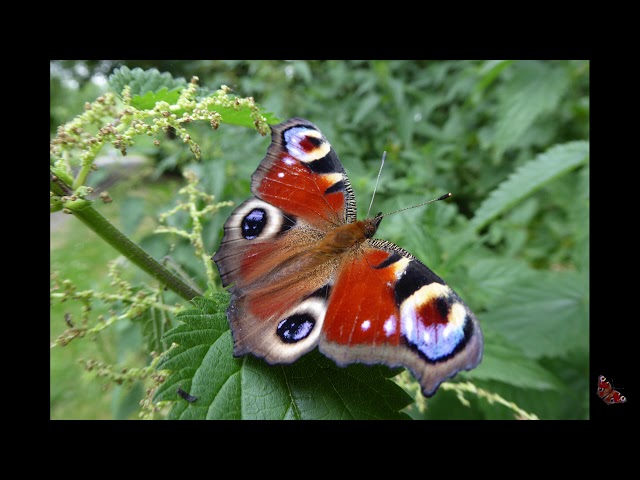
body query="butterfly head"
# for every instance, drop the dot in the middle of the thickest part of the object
(371, 225)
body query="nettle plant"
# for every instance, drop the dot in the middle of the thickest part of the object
(191, 372)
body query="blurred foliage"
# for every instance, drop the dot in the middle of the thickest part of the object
(509, 139)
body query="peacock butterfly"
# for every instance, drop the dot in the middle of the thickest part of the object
(304, 272)
(607, 393)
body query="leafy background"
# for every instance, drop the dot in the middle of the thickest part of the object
(510, 140)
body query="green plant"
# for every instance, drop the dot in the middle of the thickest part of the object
(509, 139)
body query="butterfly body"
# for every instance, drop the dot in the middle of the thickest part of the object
(304, 272)
(607, 393)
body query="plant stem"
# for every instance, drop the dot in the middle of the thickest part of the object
(96, 222)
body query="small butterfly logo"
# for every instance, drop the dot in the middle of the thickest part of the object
(607, 393)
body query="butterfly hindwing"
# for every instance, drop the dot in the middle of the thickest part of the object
(387, 307)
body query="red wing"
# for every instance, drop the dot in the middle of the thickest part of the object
(302, 175)
(604, 387)
(387, 307)
(607, 393)
(277, 296)
(615, 397)
(278, 289)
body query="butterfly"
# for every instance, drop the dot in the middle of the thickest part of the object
(607, 393)
(305, 273)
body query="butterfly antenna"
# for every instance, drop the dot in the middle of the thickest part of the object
(614, 387)
(384, 155)
(446, 195)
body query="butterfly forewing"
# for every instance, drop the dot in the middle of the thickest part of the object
(303, 176)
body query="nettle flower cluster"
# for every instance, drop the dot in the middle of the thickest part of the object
(108, 121)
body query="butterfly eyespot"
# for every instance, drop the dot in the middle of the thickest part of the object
(253, 223)
(307, 145)
(601, 378)
(623, 399)
(296, 327)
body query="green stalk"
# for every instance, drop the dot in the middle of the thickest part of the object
(83, 210)
(96, 222)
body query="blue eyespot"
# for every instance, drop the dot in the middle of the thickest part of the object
(253, 223)
(295, 328)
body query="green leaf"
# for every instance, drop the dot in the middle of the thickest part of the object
(544, 315)
(302, 70)
(236, 114)
(491, 277)
(531, 176)
(505, 363)
(534, 89)
(143, 81)
(366, 107)
(488, 73)
(241, 116)
(203, 365)
(149, 99)
(149, 87)
(579, 218)
(153, 325)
